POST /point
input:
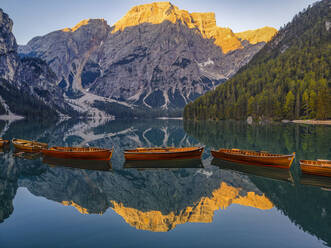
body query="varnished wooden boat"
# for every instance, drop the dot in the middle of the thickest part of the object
(27, 145)
(3, 142)
(166, 153)
(256, 170)
(258, 158)
(320, 167)
(163, 164)
(89, 153)
(99, 165)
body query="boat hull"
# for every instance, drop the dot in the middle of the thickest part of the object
(193, 154)
(284, 161)
(26, 148)
(316, 170)
(4, 143)
(94, 155)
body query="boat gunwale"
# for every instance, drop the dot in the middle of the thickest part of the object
(134, 151)
(315, 163)
(269, 155)
(67, 150)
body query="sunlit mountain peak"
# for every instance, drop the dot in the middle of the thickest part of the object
(205, 23)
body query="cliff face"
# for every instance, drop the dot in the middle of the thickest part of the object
(27, 85)
(205, 23)
(67, 50)
(156, 58)
(8, 47)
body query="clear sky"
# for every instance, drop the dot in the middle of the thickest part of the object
(38, 17)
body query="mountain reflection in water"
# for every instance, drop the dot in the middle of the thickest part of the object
(158, 200)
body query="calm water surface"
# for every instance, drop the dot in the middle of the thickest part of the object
(58, 203)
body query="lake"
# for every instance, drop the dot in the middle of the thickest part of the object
(207, 203)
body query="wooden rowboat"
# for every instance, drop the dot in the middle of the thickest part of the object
(27, 145)
(3, 142)
(166, 153)
(90, 153)
(320, 167)
(258, 158)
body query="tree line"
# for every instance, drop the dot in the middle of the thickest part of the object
(289, 78)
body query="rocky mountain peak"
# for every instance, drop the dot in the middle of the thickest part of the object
(158, 12)
(7, 41)
(8, 47)
(90, 22)
(264, 34)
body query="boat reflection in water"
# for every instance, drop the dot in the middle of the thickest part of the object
(100, 165)
(315, 180)
(4, 149)
(253, 169)
(26, 155)
(165, 164)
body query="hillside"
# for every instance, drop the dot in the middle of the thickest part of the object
(27, 86)
(289, 78)
(152, 62)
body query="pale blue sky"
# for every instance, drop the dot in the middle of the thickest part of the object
(39, 17)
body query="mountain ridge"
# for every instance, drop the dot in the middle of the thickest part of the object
(150, 63)
(157, 12)
(289, 78)
(204, 22)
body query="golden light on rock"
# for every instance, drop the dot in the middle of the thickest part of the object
(78, 207)
(255, 36)
(205, 23)
(78, 25)
(73, 204)
(201, 212)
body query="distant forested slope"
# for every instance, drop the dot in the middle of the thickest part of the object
(290, 78)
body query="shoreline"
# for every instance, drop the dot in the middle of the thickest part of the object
(313, 122)
(169, 118)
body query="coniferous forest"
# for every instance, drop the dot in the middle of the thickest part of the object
(289, 78)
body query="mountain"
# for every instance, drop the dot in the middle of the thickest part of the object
(288, 79)
(153, 61)
(27, 86)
